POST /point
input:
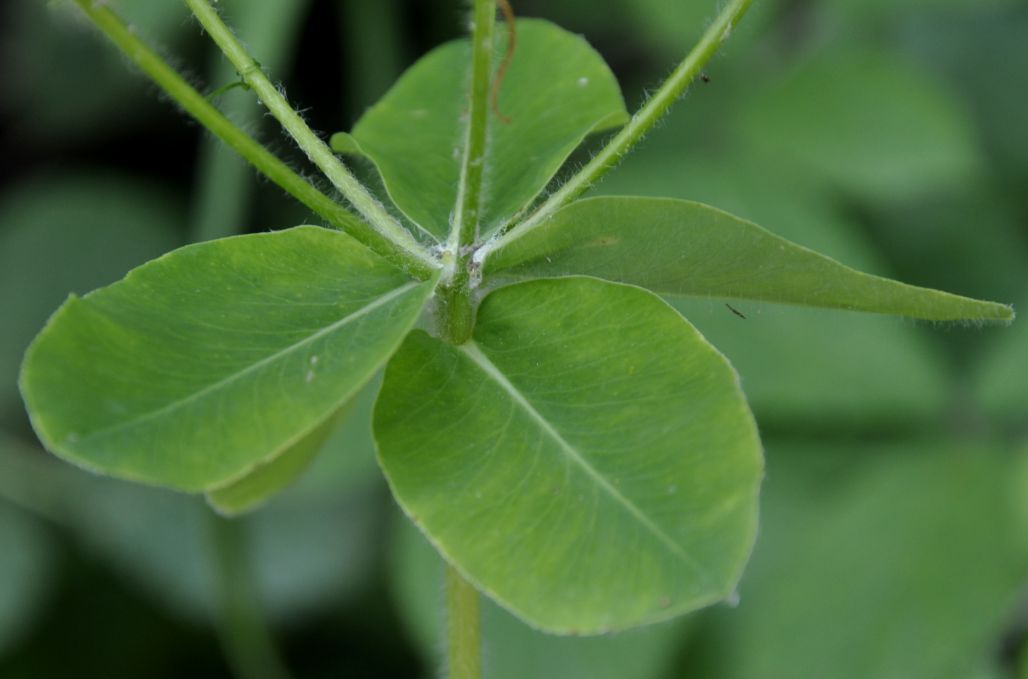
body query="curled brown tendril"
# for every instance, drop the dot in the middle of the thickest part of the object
(512, 45)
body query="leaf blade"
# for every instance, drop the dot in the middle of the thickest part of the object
(429, 98)
(565, 451)
(216, 357)
(678, 247)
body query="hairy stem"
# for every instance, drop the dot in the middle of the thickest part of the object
(641, 123)
(469, 191)
(196, 105)
(244, 634)
(462, 603)
(316, 149)
(456, 305)
(223, 183)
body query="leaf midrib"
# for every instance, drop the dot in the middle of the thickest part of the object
(472, 351)
(285, 351)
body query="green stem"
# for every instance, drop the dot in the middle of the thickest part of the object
(462, 603)
(316, 149)
(641, 123)
(455, 295)
(469, 190)
(244, 634)
(224, 183)
(196, 105)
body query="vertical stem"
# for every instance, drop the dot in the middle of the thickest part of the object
(455, 295)
(244, 634)
(465, 223)
(465, 652)
(641, 123)
(316, 149)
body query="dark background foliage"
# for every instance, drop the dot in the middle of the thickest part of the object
(889, 134)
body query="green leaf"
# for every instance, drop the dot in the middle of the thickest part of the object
(557, 91)
(347, 433)
(514, 650)
(682, 248)
(898, 561)
(588, 435)
(216, 358)
(269, 479)
(870, 122)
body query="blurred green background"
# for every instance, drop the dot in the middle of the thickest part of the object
(890, 134)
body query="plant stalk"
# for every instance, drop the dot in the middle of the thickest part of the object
(462, 603)
(316, 149)
(469, 190)
(196, 105)
(641, 123)
(455, 299)
(245, 636)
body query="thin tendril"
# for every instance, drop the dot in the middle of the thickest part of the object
(512, 46)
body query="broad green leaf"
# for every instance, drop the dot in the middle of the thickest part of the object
(870, 122)
(588, 459)
(216, 358)
(513, 649)
(684, 248)
(26, 567)
(64, 226)
(897, 561)
(557, 91)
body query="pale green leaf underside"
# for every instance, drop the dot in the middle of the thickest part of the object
(267, 480)
(214, 359)
(588, 436)
(557, 91)
(678, 247)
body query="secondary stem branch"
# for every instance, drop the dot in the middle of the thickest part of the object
(316, 149)
(641, 123)
(196, 105)
(465, 652)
